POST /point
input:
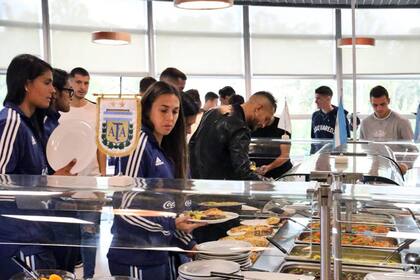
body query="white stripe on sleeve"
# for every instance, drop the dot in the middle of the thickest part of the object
(8, 138)
(130, 164)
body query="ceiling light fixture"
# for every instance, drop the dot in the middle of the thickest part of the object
(111, 38)
(361, 42)
(203, 4)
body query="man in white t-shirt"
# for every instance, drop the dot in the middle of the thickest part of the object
(83, 109)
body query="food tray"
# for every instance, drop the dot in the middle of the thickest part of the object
(311, 269)
(300, 239)
(358, 256)
(361, 228)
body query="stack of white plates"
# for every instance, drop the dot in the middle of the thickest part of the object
(201, 270)
(230, 250)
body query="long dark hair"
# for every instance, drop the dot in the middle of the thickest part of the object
(174, 144)
(22, 69)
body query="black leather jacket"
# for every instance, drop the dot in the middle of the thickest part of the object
(219, 147)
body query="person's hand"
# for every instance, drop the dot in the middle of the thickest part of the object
(182, 224)
(403, 167)
(191, 254)
(65, 171)
(262, 169)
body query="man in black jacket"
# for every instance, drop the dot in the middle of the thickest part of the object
(219, 147)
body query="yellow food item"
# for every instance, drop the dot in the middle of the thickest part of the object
(209, 214)
(220, 203)
(259, 230)
(55, 277)
(359, 227)
(352, 239)
(273, 220)
(256, 241)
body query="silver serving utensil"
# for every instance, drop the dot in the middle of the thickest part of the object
(26, 268)
(403, 245)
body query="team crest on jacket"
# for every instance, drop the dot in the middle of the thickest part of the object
(118, 125)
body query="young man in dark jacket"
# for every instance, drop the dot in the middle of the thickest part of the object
(219, 147)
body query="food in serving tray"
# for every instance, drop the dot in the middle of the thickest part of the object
(256, 241)
(352, 239)
(273, 220)
(359, 227)
(350, 255)
(258, 230)
(52, 277)
(209, 214)
(317, 274)
(220, 203)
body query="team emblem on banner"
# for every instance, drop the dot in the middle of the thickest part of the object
(119, 125)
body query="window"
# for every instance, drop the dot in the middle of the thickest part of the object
(299, 94)
(3, 89)
(20, 29)
(206, 84)
(292, 41)
(111, 84)
(199, 42)
(72, 23)
(397, 41)
(404, 94)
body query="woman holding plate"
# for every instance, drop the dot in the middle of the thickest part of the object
(160, 153)
(29, 93)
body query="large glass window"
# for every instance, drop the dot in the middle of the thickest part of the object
(292, 41)
(111, 85)
(299, 94)
(20, 29)
(404, 94)
(397, 41)
(3, 89)
(73, 21)
(206, 84)
(198, 42)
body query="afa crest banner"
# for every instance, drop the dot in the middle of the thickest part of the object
(119, 124)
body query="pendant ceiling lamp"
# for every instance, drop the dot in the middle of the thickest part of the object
(111, 38)
(360, 42)
(203, 4)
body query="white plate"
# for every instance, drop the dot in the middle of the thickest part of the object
(255, 222)
(203, 268)
(225, 247)
(391, 276)
(229, 216)
(226, 257)
(73, 139)
(274, 276)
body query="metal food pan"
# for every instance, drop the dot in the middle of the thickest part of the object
(311, 269)
(305, 234)
(358, 224)
(364, 217)
(358, 256)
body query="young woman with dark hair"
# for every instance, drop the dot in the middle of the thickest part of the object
(160, 153)
(29, 93)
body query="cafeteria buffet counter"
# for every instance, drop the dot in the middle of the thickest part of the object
(60, 201)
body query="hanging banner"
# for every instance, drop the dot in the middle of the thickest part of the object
(119, 124)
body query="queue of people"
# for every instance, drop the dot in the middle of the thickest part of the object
(39, 98)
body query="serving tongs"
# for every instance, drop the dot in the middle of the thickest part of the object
(403, 245)
(26, 268)
(277, 245)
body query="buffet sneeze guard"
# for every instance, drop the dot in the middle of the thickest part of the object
(338, 213)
